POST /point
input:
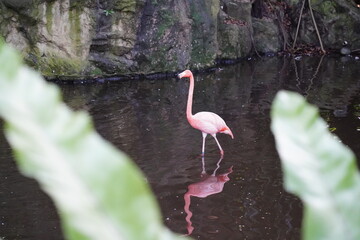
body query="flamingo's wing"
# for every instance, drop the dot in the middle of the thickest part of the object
(208, 122)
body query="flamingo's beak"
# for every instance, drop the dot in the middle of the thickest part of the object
(181, 75)
(232, 136)
(228, 131)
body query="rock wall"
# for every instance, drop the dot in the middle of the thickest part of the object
(337, 20)
(97, 37)
(54, 36)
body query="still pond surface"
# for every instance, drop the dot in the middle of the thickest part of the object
(238, 197)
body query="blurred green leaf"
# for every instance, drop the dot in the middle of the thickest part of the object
(99, 192)
(318, 169)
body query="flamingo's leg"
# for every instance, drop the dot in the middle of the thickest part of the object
(221, 150)
(203, 145)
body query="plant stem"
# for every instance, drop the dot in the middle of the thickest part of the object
(316, 28)
(298, 26)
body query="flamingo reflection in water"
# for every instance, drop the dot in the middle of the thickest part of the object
(209, 185)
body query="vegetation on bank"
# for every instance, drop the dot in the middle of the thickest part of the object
(87, 39)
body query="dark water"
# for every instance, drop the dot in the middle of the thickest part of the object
(237, 197)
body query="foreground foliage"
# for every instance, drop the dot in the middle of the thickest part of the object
(317, 168)
(99, 192)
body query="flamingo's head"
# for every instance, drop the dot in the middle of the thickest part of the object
(186, 73)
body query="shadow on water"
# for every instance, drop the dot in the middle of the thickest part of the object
(146, 119)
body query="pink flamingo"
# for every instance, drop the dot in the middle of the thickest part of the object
(206, 122)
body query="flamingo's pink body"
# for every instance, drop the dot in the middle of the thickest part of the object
(206, 122)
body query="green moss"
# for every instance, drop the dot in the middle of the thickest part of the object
(201, 56)
(203, 51)
(49, 16)
(215, 8)
(125, 5)
(196, 17)
(159, 59)
(4, 19)
(166, 21)
(95, 71)
(75, 28)
(327, 8)
(53, 65)
(79, 3)
(315, 2)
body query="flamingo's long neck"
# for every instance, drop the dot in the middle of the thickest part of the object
(190, 99)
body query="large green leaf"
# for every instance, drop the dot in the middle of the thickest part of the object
(318, 168)
(99, 192)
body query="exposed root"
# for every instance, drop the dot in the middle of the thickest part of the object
(316, 28)
(315, 25)
(298, 25)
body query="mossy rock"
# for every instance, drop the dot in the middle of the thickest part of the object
(19, 3)
(204, 27)
(266, 36)
(53, 65)
(80, 3)
(166, 21)
(125, 5)
(346, 27)
(161, 59)
(329, 9)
